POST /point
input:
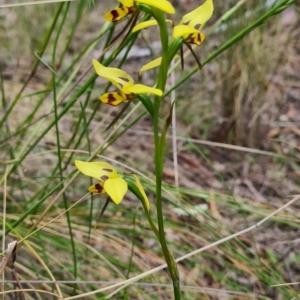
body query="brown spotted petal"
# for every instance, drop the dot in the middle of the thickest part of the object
(114, 98)
(98, 170)
(199, 16)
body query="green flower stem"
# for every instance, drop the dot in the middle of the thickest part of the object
(152, 225)
(159, 141)
(160, 150)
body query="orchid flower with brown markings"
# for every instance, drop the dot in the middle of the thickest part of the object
(190, 25)
(109, 181)
(130, 6)
(125, 84)
(188, 29)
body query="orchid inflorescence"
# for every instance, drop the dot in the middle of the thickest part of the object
(187, 32)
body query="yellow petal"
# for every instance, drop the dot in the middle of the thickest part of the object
(163, 5)
(97, 188)
(117, 77)
(141, 189)
(183, 31)
(116, 188)
(152, 64)
(199, 16)
(144, 25)
(117, 14)
(113, 99)
(148, 24)
(143, 89)
(98, 170)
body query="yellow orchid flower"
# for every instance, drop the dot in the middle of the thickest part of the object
(188, 29)
(190, 25)
(124, 83)
(109, 180)
(130, 6)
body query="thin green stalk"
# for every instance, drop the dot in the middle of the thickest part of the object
(86, 131)
(59, 154)
(130, 263)
(80, 8)
(4, 105)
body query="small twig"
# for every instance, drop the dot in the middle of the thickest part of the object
(9, 261)
(10, 256)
